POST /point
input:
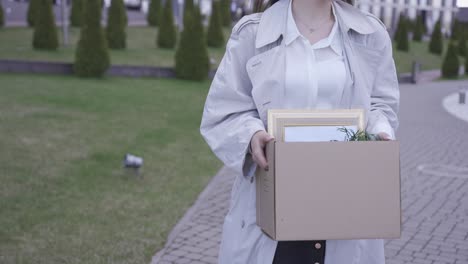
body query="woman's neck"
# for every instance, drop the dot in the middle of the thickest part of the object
(312, 11)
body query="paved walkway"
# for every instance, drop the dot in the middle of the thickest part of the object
(434, 167)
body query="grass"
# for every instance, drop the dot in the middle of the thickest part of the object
(419, 51)
(141, 42)
(64, 197)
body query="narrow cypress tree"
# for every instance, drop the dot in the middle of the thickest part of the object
(167, 34)
(2, 19)
(455, 29)
(76, 13)
(154, 13)
(215, 37)
(462, 45)
(116, 25)
(45, 32)
(451, 64)
(436, 44)
(226, 12)
(403, 42)
(418, 30)
(92, 56)
(466, 64)
(401, 22)
(32, 10)
(191, 58)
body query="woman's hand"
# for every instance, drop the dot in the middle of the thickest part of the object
(258, 143)
(384, 136)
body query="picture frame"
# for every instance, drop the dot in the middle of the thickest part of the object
(306, 125)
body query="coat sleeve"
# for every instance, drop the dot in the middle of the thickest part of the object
(385, 94)
(230, 117)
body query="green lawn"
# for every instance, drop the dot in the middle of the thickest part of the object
(142, 50)
(64, 196)
(15, 43)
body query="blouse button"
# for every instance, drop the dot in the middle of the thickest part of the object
(318, 245)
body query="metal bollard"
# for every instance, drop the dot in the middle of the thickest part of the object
(416, 67)
(462, 96)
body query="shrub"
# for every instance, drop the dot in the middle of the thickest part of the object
(402, 41)
(419, 29)
(116, 25)
(401, 22)
(92, 56)
(32, 11)
(45, 32)
(462, 46)
(2, 19)
(215, 37)
(76, 13)
(226, 12)
(455, 30)
(167, 34)
(436, 44)
(191, 58)
(154, 13)
(466, 64)
(451, 64)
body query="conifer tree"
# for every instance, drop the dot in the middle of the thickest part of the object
(45, 32)
(462, 46)
(436, 43)
(92, 55)
(401, 22)
(76, 13)
(419, 29)
(33, 6)
(402, 41)
(451, 64)
(116, 25)
(455, 29)
(215, 37)
(191, 58)
(167, 34)
(226, 13)
(2, 18)
(154, 13)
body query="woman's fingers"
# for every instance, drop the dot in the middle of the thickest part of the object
(258, 146)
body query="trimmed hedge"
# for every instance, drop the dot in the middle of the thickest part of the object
(76, 13)
(215, 37)
(45, 32)
(167, 34)
(92, 55)
(436, 44)
(462, 46)
(451, 63)
(419, 29)
(401, 22)
(154, 13)
(32, 10)
(191, 58)
(116, 25)
(225, 6)
(2, 18)
(402, 40)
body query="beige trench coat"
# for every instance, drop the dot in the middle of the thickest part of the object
(250, 80)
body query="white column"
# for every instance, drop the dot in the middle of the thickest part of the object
(412, 9)
(447, 19)
(388, 13)
(376, 8)
(364, 5)
(436, 5)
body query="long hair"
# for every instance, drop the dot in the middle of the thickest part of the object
(261, 5)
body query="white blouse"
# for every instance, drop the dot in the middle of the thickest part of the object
(315, 74)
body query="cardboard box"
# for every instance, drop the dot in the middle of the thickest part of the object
(330, 190)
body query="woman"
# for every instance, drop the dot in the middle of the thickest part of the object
(295, 54)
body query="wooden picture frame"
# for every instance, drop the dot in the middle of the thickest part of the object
(299, 125)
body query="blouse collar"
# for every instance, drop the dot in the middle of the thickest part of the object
(292, 33)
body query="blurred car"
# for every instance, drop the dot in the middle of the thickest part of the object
(134, 4)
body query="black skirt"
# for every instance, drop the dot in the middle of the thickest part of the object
(300, 252)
